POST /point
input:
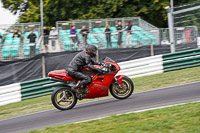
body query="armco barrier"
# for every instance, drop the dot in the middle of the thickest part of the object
(37, 88)
(181, 60)
(142, 67)
(10, 93)
(26, 90)
(133, 68)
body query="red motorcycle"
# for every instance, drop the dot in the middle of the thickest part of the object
(121, 87)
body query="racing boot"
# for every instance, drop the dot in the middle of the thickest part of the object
(83, 90)
(74, 88)
(86, 90)
(78, 90)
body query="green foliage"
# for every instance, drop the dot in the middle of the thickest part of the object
(56, 10)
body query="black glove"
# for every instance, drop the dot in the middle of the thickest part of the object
(99, 63)
(102, 71)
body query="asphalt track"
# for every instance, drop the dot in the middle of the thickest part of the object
(139, 101)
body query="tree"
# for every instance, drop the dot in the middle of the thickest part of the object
(60, 10)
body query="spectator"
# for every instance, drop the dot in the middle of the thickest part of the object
(74, 37)
(119, 28)
(128, 29)
(84, 33)
(46, 38)
(1, 36)
(16, 34)
(53, 34)
(32, 38)
(108, 34)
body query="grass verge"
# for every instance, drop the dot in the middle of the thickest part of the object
(141, 84)
(176, 119)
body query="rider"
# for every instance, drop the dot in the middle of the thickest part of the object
(83, 59)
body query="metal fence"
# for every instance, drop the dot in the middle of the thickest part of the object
(183, 21)
(17, 47)
(142, 33)
(21, 27)
(187, 19)
(113, 39)
(99, 23)
(182, 35)
(187, 14)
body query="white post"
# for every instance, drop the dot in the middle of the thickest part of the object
(172, 5)
(43, 67)
(171, 29)
(41, 18)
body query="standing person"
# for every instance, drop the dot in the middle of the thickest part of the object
(108, 34)
(84, 31)
(128, 29)
(32, 38)
(119, 28)
(53, 34)
(46, 38)
(16, 34)
(74, 37)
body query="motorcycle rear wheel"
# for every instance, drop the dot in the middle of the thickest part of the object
(125, 91)
(63, 98)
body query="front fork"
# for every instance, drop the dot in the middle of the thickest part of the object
(118, 84)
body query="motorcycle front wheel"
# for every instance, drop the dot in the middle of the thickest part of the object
(63, 98)
(125, 91)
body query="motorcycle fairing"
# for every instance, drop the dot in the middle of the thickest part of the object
(61, 74)
(119, 79)
(99, 86)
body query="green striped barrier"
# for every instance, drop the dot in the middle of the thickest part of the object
(160, 63)
(181, 54)
(27, 90)
(181, 60)
(37, 88)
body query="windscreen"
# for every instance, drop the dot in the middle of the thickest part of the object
(108, 59)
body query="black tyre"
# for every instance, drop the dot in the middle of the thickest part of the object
(63, 98)
(125, 91)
